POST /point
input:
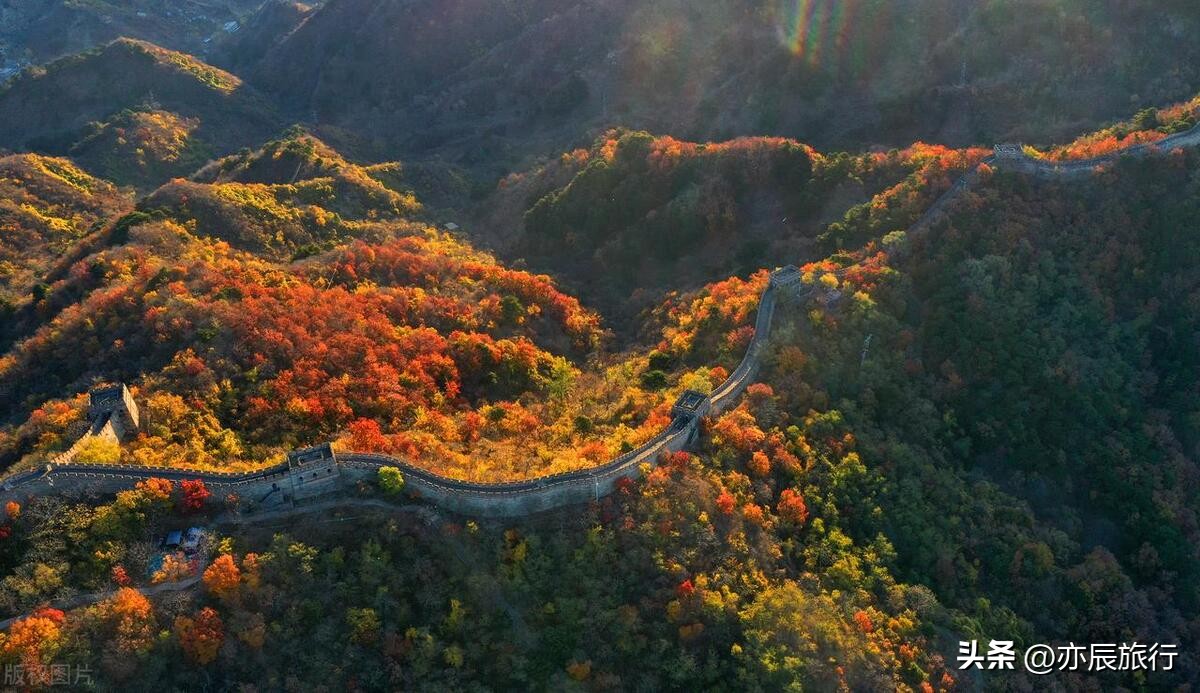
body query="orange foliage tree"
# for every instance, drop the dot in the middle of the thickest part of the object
(174, 568)
(132, 619)
(760, 464)
(200, 636)
(739, 430)
(223, 577)
(32, 643)
(754, 514)
(155, 489)
(791, 507)
(726, 502)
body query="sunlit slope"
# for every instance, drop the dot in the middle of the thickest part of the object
(46, 205)
(49, 107)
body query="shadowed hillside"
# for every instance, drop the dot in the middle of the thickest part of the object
(636, 215)
(260, 33)
(40, 30)
(50, 107)
(482, 82)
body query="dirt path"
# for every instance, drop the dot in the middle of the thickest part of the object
(92, 597)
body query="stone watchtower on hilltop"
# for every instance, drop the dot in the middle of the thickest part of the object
(788, 282)
(1009, 151)
(787, 277)
(112, 415)
(112, 406)
(313, 471)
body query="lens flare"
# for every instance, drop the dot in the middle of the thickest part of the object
(841, 36)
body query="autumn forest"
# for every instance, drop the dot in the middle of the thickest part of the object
(510, 256)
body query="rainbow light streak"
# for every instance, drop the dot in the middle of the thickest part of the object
(837, 35)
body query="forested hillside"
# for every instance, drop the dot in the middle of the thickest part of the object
(636, 214)
(481, 83)
(256, 316)
(1011, 453)
(46, 205)
(504, 241)
(37, 31)
(51, 107)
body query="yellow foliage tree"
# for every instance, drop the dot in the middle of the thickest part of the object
(99, 451)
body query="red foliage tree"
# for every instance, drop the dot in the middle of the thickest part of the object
(471, 426)
(791, 507)
(677, 461)
(366, 436)
(863, 620)
(120, 576)
(200, 636)
(195, 495)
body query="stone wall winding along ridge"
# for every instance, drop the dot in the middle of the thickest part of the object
(510, 499)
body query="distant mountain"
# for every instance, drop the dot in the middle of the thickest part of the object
(36, 31)
(259, 33)
(51, 108)
(484, 82)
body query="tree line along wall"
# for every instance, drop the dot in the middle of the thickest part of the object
(288, 482)
(285, 481)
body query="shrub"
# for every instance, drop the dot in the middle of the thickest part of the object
(654, 379)
(391, 481)
(661, 360)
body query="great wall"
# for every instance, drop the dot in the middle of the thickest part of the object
(317, 471)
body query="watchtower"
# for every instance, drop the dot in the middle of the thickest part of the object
(114, 404)
(313, 471)
(786, 277)
(691, 405)
(1009, 151)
